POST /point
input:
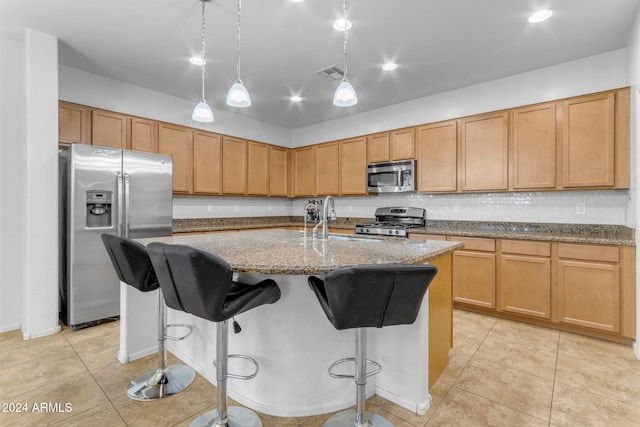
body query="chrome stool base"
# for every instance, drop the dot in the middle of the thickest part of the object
(157, 383)
(237, 416)
(348, 419)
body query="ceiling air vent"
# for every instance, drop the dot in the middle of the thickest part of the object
(331, 73)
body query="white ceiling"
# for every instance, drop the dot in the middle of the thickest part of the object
(438, 45)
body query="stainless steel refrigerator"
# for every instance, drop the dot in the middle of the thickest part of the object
(105, 190)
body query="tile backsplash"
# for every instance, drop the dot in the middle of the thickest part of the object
(572, 207)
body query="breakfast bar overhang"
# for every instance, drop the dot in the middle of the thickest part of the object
(292, 340)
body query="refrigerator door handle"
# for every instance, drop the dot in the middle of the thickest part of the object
(126, 207)
(119, 198)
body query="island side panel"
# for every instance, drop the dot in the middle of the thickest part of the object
(440, 318)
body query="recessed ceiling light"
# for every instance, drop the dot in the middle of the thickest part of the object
(342, 24)
(196, 60)
(389, 66)
(539, 16)
(295, 98)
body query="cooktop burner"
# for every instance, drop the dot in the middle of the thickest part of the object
(393, 222)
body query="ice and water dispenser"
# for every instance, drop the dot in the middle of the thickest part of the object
(98, 211)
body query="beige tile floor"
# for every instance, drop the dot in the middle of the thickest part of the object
(501, 373)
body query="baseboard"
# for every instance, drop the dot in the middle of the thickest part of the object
(419, 408)
(7, 328)
(42, 333)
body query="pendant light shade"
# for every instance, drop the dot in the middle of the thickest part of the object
(202, 112)
(345, 95)
(238, 95)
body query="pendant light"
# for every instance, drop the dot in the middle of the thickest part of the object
(345, 94)
(202, 112)
(238, 96)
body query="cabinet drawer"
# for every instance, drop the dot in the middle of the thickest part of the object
(524, 247)
(475, 243)
(427, 236)
(589, 252)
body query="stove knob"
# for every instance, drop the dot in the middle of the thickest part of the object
(397, 231)
(367, 230)
(390, 231)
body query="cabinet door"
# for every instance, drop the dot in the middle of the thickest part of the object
(109, 129)
(234, 166)
(304, 174)
(74, 123)
(474, 278)
(589, 294)
(525, 285)
(144, 135)
(484, 152)
(207, 163)
(177, 141)
(378, 147)
(534, 147)
(278, 171)
(588, 132)
(327, 169)
(353, 166)
(402, 144)
(257, 169)
(436, 159)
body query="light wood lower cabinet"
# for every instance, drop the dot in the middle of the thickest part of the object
(525, 278)
(474, 272)
(583, 288)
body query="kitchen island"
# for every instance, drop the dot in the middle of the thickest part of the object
(292, 339)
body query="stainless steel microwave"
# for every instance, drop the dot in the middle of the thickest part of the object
(391, 177)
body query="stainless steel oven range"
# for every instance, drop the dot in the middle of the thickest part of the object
(393, 221)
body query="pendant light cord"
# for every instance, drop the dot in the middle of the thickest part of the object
(238, 44)
(346, 35)
(203, 48)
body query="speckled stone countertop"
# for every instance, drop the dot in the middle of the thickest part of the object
(571, 233)
(288, 252)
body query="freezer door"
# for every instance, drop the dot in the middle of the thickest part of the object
(92, 291)
(148, 194)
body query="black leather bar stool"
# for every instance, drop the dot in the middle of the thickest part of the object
(369, 296)
(133, 266)
(201, 283)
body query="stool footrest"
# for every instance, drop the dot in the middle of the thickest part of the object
(245, 357)
(178, 325)
(377, 370)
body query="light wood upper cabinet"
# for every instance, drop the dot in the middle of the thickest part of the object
(378, 147)
(484, 152)
(436, 157)
(109, 129)
(207, 163)
(278, 171)
(177, 141)
(327, 169)
(144, 135)
(304, 174)
(533, 142)
(74, 123)
(353, 166)
(234, 165)
(257, 169)
(588, 141)
(402, 144)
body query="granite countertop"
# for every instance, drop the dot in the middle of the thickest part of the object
(570, 233)
(289, 252)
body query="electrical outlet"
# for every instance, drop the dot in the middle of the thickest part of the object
(456, 208)
(581, 208)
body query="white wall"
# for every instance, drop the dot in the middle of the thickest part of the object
(102, 92)
(587, 75)
(12, 158)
